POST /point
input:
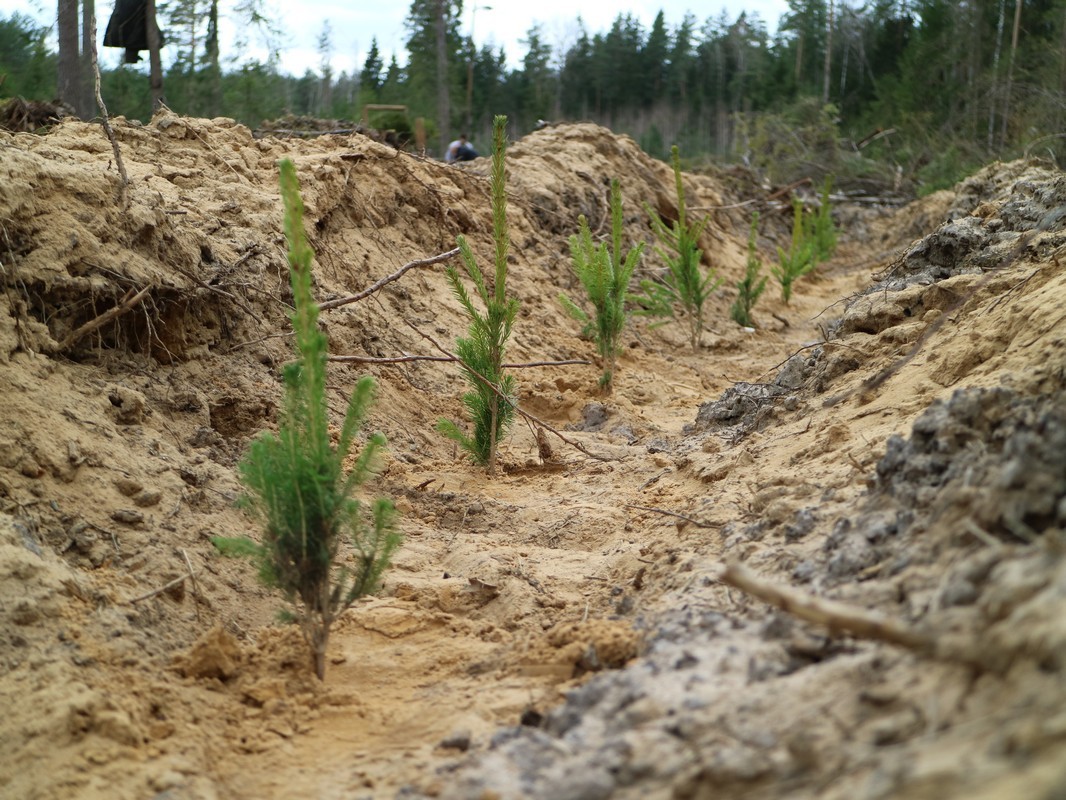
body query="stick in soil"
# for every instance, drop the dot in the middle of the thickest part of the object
(863, 623)
(195, 585)
(168, 586)
(664, 512)
(832, 614)
(124, 180)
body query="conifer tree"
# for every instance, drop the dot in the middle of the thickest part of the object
(823, 230)
(751, 286)
(684, 287)
(491, 399)
(296, 482)
(605, 274)
(802, 255)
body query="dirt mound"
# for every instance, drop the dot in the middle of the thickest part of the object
(141, 349)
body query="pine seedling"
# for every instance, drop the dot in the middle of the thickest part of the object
(605, 275)
(491, 399)
(802, 256)
(683, 286)
(823, 230)
(752, 285)
(296, 482)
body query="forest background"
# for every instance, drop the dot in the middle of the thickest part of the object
(904, 96)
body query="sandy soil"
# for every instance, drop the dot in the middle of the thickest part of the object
(894, 439)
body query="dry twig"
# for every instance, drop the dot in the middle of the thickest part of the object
(123, 306)
(124, 180)
(424, 262)
(190, 575)
(164, 588)
(518, 409)
(664, 512)
(832, 614)
(865, 624)
(195, 585)
(405, 359)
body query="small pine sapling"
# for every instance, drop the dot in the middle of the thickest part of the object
(801, 258)
(605, 275)
(824, 231)
(491, 399)
(683, 285)
(752, 285)
(296, 482)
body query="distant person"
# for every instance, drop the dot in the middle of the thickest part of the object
(460, 150)
(128, 28)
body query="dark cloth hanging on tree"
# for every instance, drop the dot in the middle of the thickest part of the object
(128, 28)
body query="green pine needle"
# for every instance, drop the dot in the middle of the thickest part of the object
(490, 403)
(751, 286)
(295, 481)
(605, 275)
(683, 286)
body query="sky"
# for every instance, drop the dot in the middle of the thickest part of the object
(353, 23)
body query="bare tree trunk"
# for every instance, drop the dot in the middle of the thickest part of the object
(86, 107)
(444, 111)
(845, 55)
(214, 87)
(1010, 73)
(828, 55)
(995, 76)
(155, 70)
(69, 72)
(720, 133)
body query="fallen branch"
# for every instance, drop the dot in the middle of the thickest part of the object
(832, 614)
(391, 360)
(166, 587)
(260, 339)
(447, 359)
(424, 262)
(786, 189)
(189, 575)
(307, 133)
(518, 409)
(880, 133)
(654, 510)
(124, 305)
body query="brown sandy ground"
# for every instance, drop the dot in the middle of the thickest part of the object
(538, 595)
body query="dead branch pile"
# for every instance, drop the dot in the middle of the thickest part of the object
(27, 116)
